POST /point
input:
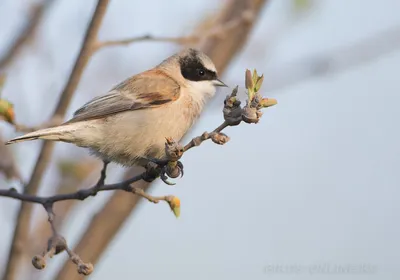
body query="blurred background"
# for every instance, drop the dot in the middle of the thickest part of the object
(310, 191)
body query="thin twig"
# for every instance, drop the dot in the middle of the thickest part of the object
(100, 186)
(205, 136)
(78, 195)
(25, 34)
(22, 224)
(147, 38)
(56, 245)
(74, 175)
(105, 225)
(219, 31)
(56, 120)
(103, 174)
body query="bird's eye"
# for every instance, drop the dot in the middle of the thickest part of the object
(201, 72)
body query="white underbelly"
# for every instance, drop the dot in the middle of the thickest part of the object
(131, 136)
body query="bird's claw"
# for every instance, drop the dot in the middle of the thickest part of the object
(171, 170)
(180, 167)
(164, 177)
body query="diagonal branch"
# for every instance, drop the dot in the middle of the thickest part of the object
(149, 175)
(22, 223)
(238, 15)
(56, 245)
(73, 175)
(218, 31)
(171, 167)
(147, 38)
(25, 34)
(107, 222)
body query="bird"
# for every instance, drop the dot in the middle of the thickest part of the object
(130, 123)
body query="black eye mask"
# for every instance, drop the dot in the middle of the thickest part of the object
(192, 69)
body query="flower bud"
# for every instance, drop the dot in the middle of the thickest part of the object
(268, 102)
(259, 83)
(249, 115)
(219, 138)
(85, 268)
(7, 111)
(173, 149)
(39, 262)
(175, 205)
(249, 81)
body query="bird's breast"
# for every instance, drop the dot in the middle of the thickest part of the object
(138, 134)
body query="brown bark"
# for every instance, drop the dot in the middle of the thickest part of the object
(24, 215)
(106, 223)
(25, 34)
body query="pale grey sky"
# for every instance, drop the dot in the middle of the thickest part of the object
(315, 182)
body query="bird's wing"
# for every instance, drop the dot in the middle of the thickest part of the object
(149, 89)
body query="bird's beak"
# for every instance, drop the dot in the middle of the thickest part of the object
(219, 83)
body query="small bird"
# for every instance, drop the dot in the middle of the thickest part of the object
(129, 124)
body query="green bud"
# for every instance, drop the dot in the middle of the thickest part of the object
(6, 111)
(259, 83)
(268, 102)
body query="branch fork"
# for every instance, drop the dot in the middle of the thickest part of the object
(170, 167)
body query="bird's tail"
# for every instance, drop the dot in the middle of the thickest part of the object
(57, 133)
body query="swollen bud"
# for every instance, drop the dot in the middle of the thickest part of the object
(268, 102)
(249, 115)
(258, 83)
(39, 262)
(173, 149)
(85, 268)
(249, 80)
(255, 76)
(175, 205)
(7, 111)
(219, 138)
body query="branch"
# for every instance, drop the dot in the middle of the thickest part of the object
(56, 120)
(56, 245)
(73, 175)
(85, 193)
(171, 167)
(22, 223)
(107, 222)
(25, 34)
(8, 165)
(337, 60)
(147, 38)
(219, 31)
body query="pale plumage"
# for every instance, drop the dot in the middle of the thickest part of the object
(130, 122)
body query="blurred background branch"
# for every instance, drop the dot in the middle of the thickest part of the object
(303, 50)
(22, 226)
(108, 221)
(26, 33)
(337, 60)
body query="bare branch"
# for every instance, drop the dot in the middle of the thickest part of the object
(73, 175)
(56, 245)
(56, 120)
(147, 38)
(8, 165)
(219, 31)
(79, 195)
(150, 174)
(171, 167)
(205, 136)
(107, 222)
(25, 34)
(22, 224)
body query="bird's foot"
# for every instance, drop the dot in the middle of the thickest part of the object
(173, 169)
